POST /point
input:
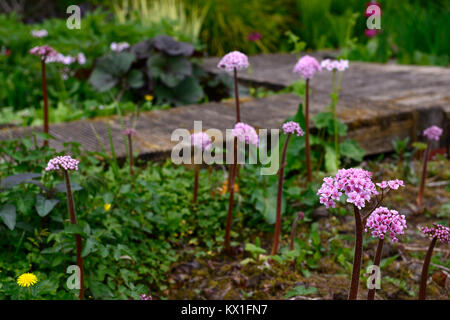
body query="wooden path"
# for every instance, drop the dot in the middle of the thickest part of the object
(378, 102)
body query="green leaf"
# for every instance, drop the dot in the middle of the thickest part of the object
(351, 149)
(300, 291)
(89, 247)
(135, 79)
(322, 119)
(8, 215)
(44, 206)
(74, 229)
(109, 69)
(170, 70)
(16, 179)
(330, 160)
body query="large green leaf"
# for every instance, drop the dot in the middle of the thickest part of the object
(170, 70)
(322, 119)
(351, 149)
(330, 160)
(109, 69)
(135, 79)
(188, 91)
(44, 206)
(8, 215)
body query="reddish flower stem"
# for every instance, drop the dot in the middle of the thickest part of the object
(426, 264)
(279, 197)
(78, 244)
(308, 155)
(419, 199)
(376, 262)
(236, 96)
(130, 153)
(233, 168)
(196, 169)
(45, 95)
(357, 255)
(231, 200)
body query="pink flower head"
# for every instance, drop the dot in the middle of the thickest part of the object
(146, 297)
(62, 162)
(384, 222)
(234, 60)
(392, 184)
(201, 140)
(129, 132)
(81, 58)
(307, 66)
(442, 233)
(59, 57)
(39, 33)
(120, 46)
(330, 65)
(433, 133)
(44, 51)
(245, 133)
(355, 183)
(292, 127)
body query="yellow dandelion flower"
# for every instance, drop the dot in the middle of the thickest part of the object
(148, 97)
(107, 206)
(27, 280)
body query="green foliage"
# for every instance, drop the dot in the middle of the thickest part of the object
(300, 291)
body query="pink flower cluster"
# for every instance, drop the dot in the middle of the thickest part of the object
(120, 46)
(307, 66)
(146, 297)
(44, 51)
(39, 33)
(62, 162)
(433, 133)
(339, 65)
(234, 60)
(355, 183)
(386, 222)
(201, 140)
(292, 127)
(129, 131)
(392, 184)
(245, 133)
(442, 233)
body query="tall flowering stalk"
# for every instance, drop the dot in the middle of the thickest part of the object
(130, 133)
(66, 164)
(432, 133)
(201, 141)
(247, 134)
(358, 188)
(44, 53)
(384, 222)
(233, 62)
(437, 233)
(306, 67)
(288, 128)
(334, 66)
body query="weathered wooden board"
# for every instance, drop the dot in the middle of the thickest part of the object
(378, 102)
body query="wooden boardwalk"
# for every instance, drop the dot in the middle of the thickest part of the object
(378, 102)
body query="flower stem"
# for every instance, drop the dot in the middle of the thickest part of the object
(426, 264)
(308, 155)
(419, 199)
(78, 244)
(231, 200)
(236, 96)
(279, 197)
(357, 257)
(376, 262)
(130, 153)
(196, 169)
(45, 95)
